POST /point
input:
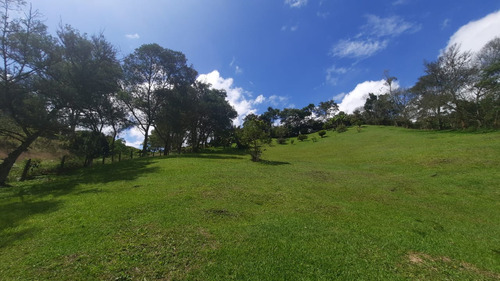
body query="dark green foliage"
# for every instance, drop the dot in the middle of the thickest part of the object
(89, 145)
(302, 137)
(341, 128)
(322, 133)
(26, 112)
(255, 137)
(151, 74)
(281, 140)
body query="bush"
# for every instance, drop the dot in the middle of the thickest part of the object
(282, 140)
(314, 139)
(341, 128)
(322, 133)
(302, 137)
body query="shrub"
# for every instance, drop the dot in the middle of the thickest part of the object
(341, 128)
(302, 137)
(314, 139)
(322, 133)
(282, 140)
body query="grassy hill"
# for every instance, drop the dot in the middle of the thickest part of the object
(383, 204)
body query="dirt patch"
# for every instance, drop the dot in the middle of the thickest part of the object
(443, 263)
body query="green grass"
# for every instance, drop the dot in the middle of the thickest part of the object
(383, 204)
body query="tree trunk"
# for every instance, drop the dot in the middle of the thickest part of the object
(145, 144)
(9, 161)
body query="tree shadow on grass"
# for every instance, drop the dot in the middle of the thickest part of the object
(205, 156)
(273, 163)
(14, 214)
(121, 171)
(24, 200)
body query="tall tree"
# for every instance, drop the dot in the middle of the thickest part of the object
(487, 87)
(326, 110)
(90, 73)
(150, 72)
(26, 52)
(447, 86)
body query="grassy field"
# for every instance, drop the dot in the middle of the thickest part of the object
(383, 204)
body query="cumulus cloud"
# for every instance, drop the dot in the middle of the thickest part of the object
(375, 36)
(132, 36)
(357, 97)
(474, 35)
(296, 3)
(236, 96)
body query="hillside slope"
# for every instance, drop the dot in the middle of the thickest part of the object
(383, 204)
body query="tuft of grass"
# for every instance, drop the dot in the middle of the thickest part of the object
(384, 204)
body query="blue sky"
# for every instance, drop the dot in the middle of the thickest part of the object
(288, 53)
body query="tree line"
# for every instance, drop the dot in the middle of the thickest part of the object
(73, 86)
(460, 90)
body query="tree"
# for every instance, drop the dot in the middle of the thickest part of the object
(446, 88)
(26, 53)
(90, 72)
(255, 136)
(487, 86)
(151, 72)
(326, 109)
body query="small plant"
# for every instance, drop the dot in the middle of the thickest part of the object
(302, 137)
(314, 139)
(292, 141)
(322, 133)
(358, 128)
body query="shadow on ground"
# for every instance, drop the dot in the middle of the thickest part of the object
(273, 163)
(27, 199)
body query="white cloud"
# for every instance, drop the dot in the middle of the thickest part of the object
(445, 24)
(388, 27)
(332, 72)
(357, 48)
(291, 28)
(133, 137)
(260, 99)
(375, 36)
(275, 100)
(296, 3)
(474, 35)
(133, 36)
(357, 97)
(400, 2)
(323, 15)
(236, 96)
(237, 68)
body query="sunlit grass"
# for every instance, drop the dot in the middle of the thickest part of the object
(385, 203)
